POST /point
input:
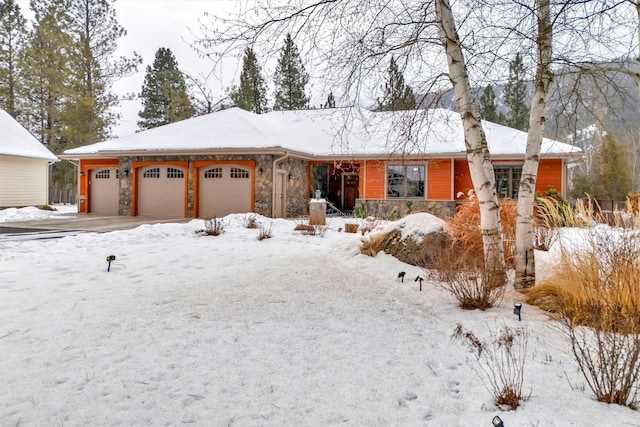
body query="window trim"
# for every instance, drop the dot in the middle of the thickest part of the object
(404, 184)
(512, 187)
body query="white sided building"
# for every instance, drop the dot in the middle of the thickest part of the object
(24, 166)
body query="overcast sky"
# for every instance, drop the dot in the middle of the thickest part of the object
(152, 24)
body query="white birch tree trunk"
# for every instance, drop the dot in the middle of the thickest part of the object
(525, 259)
(478, 155)
(637, 4)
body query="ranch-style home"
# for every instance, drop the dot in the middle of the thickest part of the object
(234, 161)
(24, 166)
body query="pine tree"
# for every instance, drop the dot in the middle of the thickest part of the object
(397, 94)
(487, 108)
(46, 65)
(96, 31)
(251, 94)
(612, 169)
(164, 93)
(290, 79)
(13, 37)
(515, 93)
(331, 101)
(611, 176)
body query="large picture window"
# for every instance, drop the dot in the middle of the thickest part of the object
(405, 180)
(507, 180)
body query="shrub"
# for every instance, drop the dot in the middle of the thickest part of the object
(212, 227)
(307, 229)
(463, 275)
(369, 224)
(499, 362)
(465, 232)
(544, 237)
(595, 293)
(360, 210)
(265, 231)
(249, 221)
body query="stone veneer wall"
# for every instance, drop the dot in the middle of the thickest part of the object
(263, 184)
(394, 209)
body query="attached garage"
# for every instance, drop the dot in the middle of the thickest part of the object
(161, 191)
(104, 191)
(224, 189)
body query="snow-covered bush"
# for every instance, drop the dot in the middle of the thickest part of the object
(212, 227)
(265, 230)
(595, 293)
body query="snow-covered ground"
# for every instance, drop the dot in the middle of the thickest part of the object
(32, 213)
(230, 331)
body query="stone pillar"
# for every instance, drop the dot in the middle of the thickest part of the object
(318, 212)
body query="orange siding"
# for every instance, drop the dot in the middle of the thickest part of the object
(439, 180)
(376, 178)
(83, 187)
(549, 174)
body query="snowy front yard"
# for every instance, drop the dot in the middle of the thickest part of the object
(290, 331)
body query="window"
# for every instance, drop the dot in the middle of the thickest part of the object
(213, 173)
(507, 180)
(103, 174)
(151, 173)
(174, 173)
(405, 181)
(239, 173)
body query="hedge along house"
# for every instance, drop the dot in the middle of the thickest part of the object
(234, 161)
(24, 166)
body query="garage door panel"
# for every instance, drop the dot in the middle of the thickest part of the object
(224, 189)
(104, 191)
(161, 191)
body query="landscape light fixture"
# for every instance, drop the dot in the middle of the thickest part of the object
(516, 309)
(109, 259)
(401, 276)
(420, 279)
(497, 422)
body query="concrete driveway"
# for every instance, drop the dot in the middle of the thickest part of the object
(83, 222)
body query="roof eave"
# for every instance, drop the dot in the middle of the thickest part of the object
(193, 152)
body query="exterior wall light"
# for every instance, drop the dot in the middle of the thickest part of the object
(260, 170)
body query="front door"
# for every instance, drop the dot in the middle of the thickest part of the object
(350, 184)
(280, 202)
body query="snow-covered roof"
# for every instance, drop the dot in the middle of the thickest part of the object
(321, 133)
(17, 141)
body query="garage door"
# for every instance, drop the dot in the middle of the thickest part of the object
(161, 191)
(224, 189)
(104, 191)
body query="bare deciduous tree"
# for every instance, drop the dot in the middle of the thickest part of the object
(351, 43)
